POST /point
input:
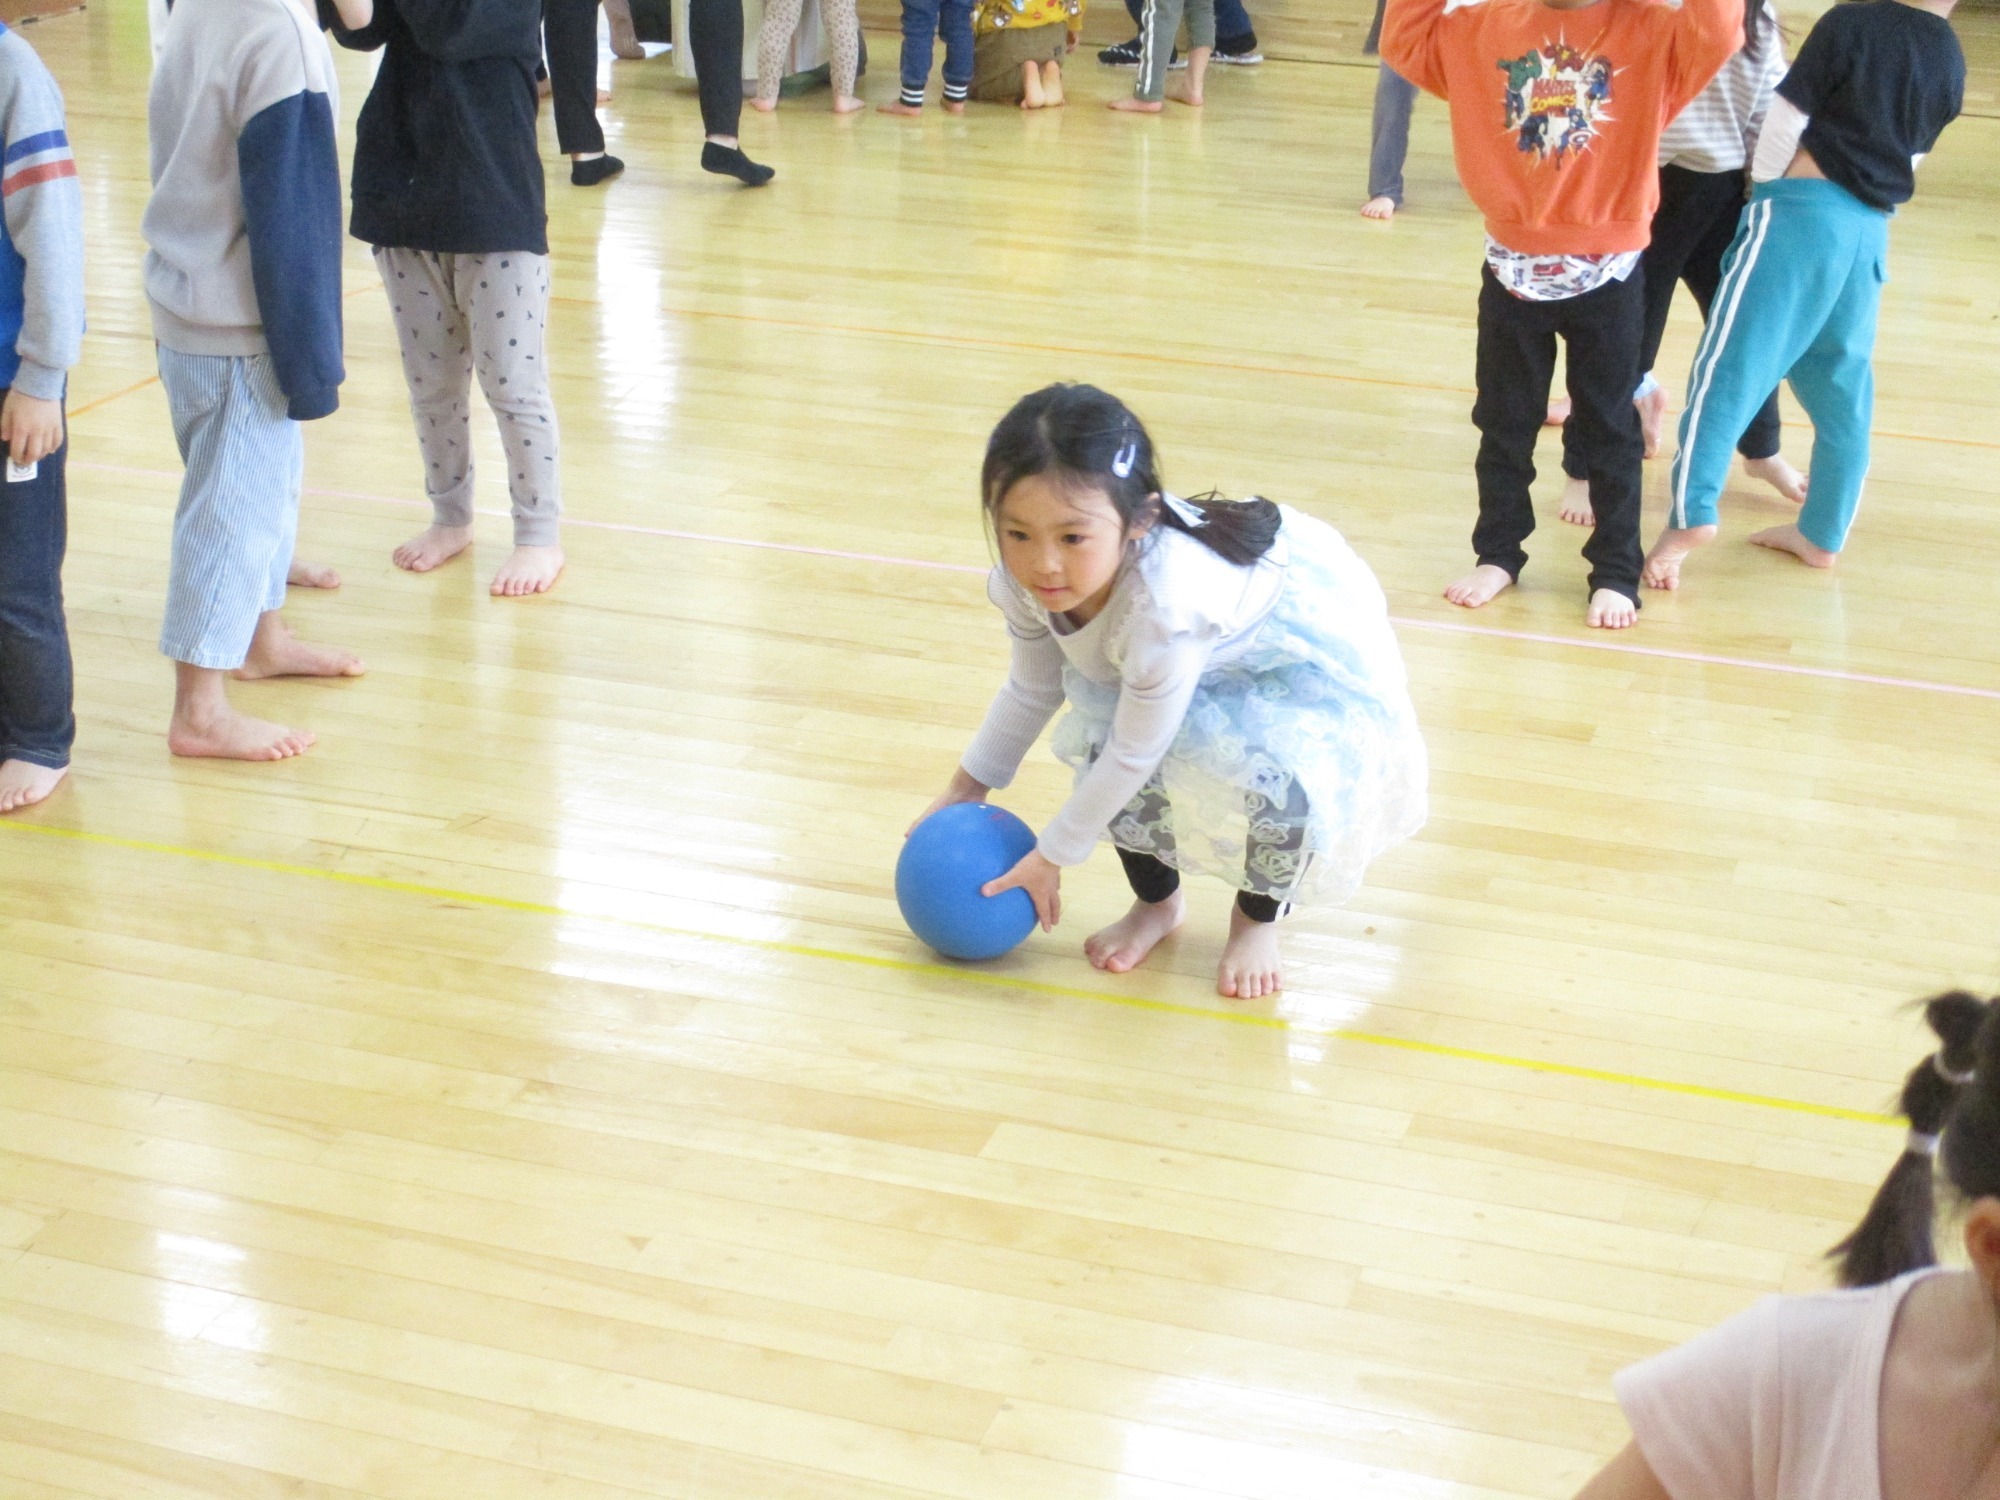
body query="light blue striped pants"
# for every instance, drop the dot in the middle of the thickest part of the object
(239, 510)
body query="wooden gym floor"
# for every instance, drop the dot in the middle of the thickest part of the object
(532, 1092)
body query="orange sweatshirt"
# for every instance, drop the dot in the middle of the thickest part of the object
(1556, 114)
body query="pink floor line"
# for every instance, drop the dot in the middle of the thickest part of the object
(1702, 658)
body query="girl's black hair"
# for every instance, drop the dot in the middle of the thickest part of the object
(1953, 1093)
(1088, 438)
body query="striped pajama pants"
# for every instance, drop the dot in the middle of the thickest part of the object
(1158, 23)
(238, 516)
(1799, 296)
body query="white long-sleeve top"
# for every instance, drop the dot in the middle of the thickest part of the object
(1717, 132)
(1177, 610)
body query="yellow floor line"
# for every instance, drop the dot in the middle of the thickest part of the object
(969, 976)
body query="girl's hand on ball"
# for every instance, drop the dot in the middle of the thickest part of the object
(1040, 879)
(962, 789)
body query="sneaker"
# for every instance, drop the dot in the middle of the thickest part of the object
(1176, 63)
(1241, 51)
(1124, 55)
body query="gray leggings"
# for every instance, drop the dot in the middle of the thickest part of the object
(1158, 23)
(1389, 139)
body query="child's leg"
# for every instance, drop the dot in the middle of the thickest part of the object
(1701, 269)
(920, 29)
(37, 722)
(1602, 331)
(569, 31)
(1158, 23)
(1389, 139)
(1053, 96)
(774, 37)
(1273, 864)
(1516, 359)
(1032, 96)
(1201, 46)
(1156, 886)
(437, 367)
(843, 37)
(955, 24)
(507, 305)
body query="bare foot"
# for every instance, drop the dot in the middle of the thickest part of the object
(1610, 610)
(604, 96)
(1379, 208)
(1482, 585)
(1183, 93)
(953, 106)
(432, 547)
(1032, 96)
(847, 104)
(1558, 412)
(1053, 96)
(1123, 945)
(229, 735)
(762, 105)
(529, 570)
(1250, 969)
(312, 576)
(1652, 416)
(1790, 539)
(276, 652)
(1663, 563)
(1576, 508)
(898, 107)
(23, 784)
(1779, 475)
(1137, 106)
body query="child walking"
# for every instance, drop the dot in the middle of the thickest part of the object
(1018, 49)
(1557, 107)
(843, 39)
(1388, 128)
(1871, 91)
(1158, 23)
(243, 277)
(923, 20)
(41, 337)
(1237, 700)
(448, 191)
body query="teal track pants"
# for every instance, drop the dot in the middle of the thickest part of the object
(1800, 291)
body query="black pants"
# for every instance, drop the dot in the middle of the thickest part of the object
(715, 33)
(36, 681)
(569, 36)
(1153, 879)
(1601, 331)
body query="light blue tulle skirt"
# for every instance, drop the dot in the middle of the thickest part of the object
(1300, 761)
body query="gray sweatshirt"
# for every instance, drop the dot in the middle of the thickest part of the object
(41, 231)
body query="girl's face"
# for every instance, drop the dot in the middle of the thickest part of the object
(1062, 544)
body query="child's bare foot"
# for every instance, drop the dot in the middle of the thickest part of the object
(1790, 539)
(1576, 508)
(1652, 417)
(305, 575)
(23, 784)
(1482, 585)
(1250, 969)
(1558, 412)
(1053, 96)
(1032, 96)
(1137, 106)
(276, 652)
(1380, 207)
(898, 107)
(1663, 563)
(847, 104)
(229, 735)
(432, 547)
(762, 105)
(1610, 610)
(1123, 945)
(1779, 475)
(1186, 93)
(953, 106)
(529, 570)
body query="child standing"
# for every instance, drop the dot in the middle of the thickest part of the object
(1556, 112)
(1018, 47)
(243, 276)
(1388, 129)
(1872, 89)
(1237, 700)
(843, 37)
(922, 21)
(41, 336)
(448, 191)
(1158, 23)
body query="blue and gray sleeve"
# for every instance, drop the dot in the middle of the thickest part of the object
(290, 171)
(44, 216)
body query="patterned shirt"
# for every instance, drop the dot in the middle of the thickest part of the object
(1718, 131)
(1011, 15)
(1554, 278)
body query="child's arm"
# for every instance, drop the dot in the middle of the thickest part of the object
(44, 209)
(1022, 708)
(355, 24)
(1411, 44)
(1706, 35)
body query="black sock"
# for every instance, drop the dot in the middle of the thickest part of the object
(731, 162)
(593, 170)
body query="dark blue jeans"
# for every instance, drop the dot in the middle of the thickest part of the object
(922, 21)
(36, 684)
(1231, 19)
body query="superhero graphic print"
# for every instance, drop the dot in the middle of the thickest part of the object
(1557, 100)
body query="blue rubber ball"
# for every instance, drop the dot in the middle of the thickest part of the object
(945, 860)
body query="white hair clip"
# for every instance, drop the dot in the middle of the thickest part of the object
(1920, 1144)
(1959, 1080)
(1123, 460)
(1189, 516)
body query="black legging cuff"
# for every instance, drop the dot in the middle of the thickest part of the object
(1153, 881)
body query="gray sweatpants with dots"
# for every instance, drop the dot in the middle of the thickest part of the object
(459, 313)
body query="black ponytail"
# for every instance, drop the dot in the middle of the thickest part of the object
(1091, 439)
(1954, 1094)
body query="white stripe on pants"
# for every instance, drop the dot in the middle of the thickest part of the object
(238, 516)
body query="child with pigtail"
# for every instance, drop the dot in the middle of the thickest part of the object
(1889, 1390)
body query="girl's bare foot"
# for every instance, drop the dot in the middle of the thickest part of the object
(1052, 85)
(23, 784)
(1379, 207)
(762, 105)
(847, 104)
(276, 652)
(230, 735)
(624, 40)
(1558, 412)
(898, 107)
(1185, 93)
(1663, 563)
(953, 106)
(1652, 417)
(1123, 945)
(1138, 106)
(1576, 507)
(432, 547)
(305, 575)
(1779, 475)
(1032, 96)
(1790, 539)
(529, 570)
(1482, 585)
(1610, 610)
(1250, 969)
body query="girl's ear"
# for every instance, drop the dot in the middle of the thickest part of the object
(1144, 521)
